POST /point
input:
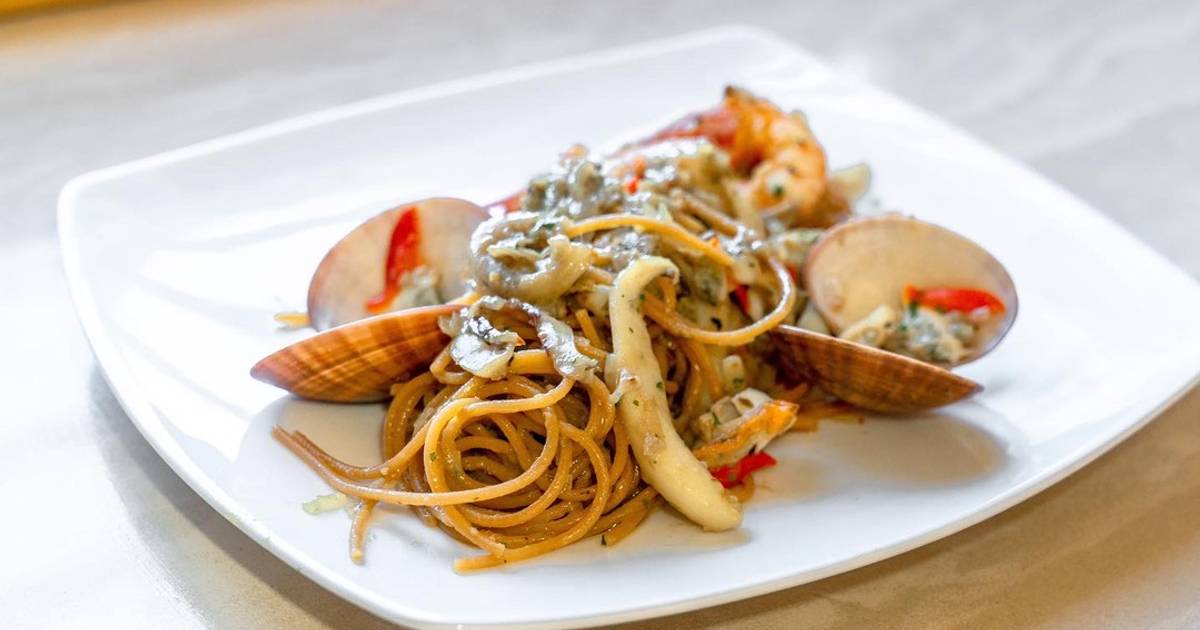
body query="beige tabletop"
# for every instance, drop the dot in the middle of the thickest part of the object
(1103, 97)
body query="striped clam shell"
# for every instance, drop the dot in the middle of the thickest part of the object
(867, 377)
(359, 361)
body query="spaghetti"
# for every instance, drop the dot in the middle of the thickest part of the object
(608, 355)
(498, 462)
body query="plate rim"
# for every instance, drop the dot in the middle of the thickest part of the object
(150, 424)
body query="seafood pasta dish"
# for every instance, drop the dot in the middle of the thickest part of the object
(629, 331)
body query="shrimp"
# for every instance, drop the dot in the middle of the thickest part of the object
(783, 166)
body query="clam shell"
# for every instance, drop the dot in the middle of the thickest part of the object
(353, 270)
(867, 377)
(358, 362)
(863, 263)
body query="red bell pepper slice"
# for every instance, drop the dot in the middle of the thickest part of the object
(635, 178)
(734, 474)
(953, 299)
(741, 295)
(402, 257)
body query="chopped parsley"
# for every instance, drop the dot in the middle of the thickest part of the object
(547, 223)
(777, 191)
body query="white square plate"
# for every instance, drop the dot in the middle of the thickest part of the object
(178, 261)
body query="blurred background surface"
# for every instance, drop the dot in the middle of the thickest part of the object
(1100, 97)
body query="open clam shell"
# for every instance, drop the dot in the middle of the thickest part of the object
(353, 271)
(359, 361)
(863, 263)
(867, 377)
